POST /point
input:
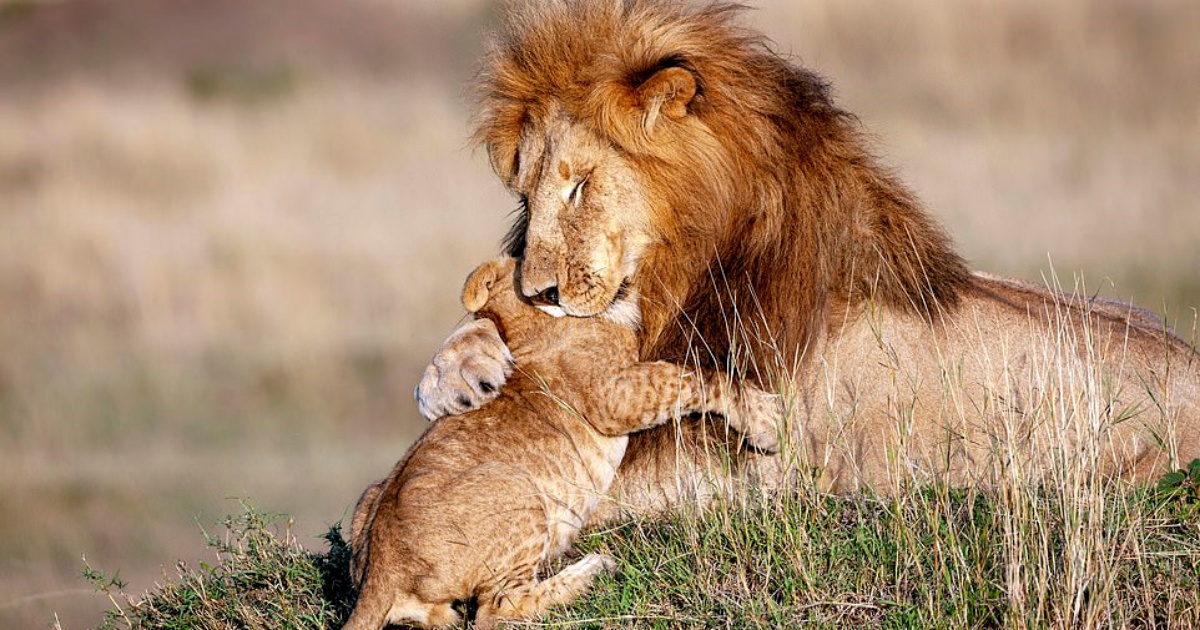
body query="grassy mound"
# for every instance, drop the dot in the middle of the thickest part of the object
(930, 557)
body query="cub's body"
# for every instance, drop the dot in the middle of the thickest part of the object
(486, 498)
(483, 501)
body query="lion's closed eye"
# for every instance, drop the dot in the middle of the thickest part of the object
(576, 193)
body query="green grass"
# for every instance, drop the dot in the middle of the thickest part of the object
(263, 578)
(929, 558)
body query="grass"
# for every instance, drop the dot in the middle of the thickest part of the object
(262, 578)
(929, 558)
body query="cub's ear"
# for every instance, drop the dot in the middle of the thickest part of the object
(669, 92)
(478, 288)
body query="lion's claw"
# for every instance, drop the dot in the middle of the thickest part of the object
(466, 373)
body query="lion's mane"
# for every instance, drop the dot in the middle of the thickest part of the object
(770, 187)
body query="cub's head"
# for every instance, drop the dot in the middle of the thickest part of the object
(590, 116)
(490, 292)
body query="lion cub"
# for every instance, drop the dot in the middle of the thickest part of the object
(485, 499)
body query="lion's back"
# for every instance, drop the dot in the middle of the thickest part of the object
(1014, 370)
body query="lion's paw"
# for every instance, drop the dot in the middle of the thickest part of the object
(466, 373)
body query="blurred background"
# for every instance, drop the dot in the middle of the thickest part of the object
(232, 232)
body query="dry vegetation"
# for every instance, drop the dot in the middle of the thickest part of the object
(232, 232)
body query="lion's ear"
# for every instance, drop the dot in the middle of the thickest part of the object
(478, 288)
(668, 92)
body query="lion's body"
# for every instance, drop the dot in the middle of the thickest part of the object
(1013, 374)
(662, 147)
(486, 498)
(1015, 383)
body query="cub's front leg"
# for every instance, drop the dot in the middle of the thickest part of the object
(646, 395)
(467, 371)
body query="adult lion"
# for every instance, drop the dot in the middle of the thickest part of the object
(661, 148)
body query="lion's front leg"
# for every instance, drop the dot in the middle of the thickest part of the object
(466, 373)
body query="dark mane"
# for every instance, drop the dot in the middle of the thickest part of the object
(513, 243)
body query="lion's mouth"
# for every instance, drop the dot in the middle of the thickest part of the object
(552, 310)
(622, 308)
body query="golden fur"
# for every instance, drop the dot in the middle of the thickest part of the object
(486, 498)
(662, 148)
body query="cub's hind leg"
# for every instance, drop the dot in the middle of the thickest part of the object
(529, 600)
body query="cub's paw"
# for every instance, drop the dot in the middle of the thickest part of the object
(758, 415)
(603, 563)
(466, 373)
(587, 567)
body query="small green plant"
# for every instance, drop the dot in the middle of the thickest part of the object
(1182, 486)
(111, 587)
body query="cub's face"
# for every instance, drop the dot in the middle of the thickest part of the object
(585, 220)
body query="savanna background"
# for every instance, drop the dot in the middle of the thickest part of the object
(232, 232)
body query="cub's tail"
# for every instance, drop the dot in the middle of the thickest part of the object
(360, 526)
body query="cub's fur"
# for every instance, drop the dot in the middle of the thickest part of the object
(484, 499)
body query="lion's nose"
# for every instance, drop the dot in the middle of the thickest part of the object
(548, 297)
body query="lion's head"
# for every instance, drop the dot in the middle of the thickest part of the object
(662, 147)
(576, 127)
(585, 216)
